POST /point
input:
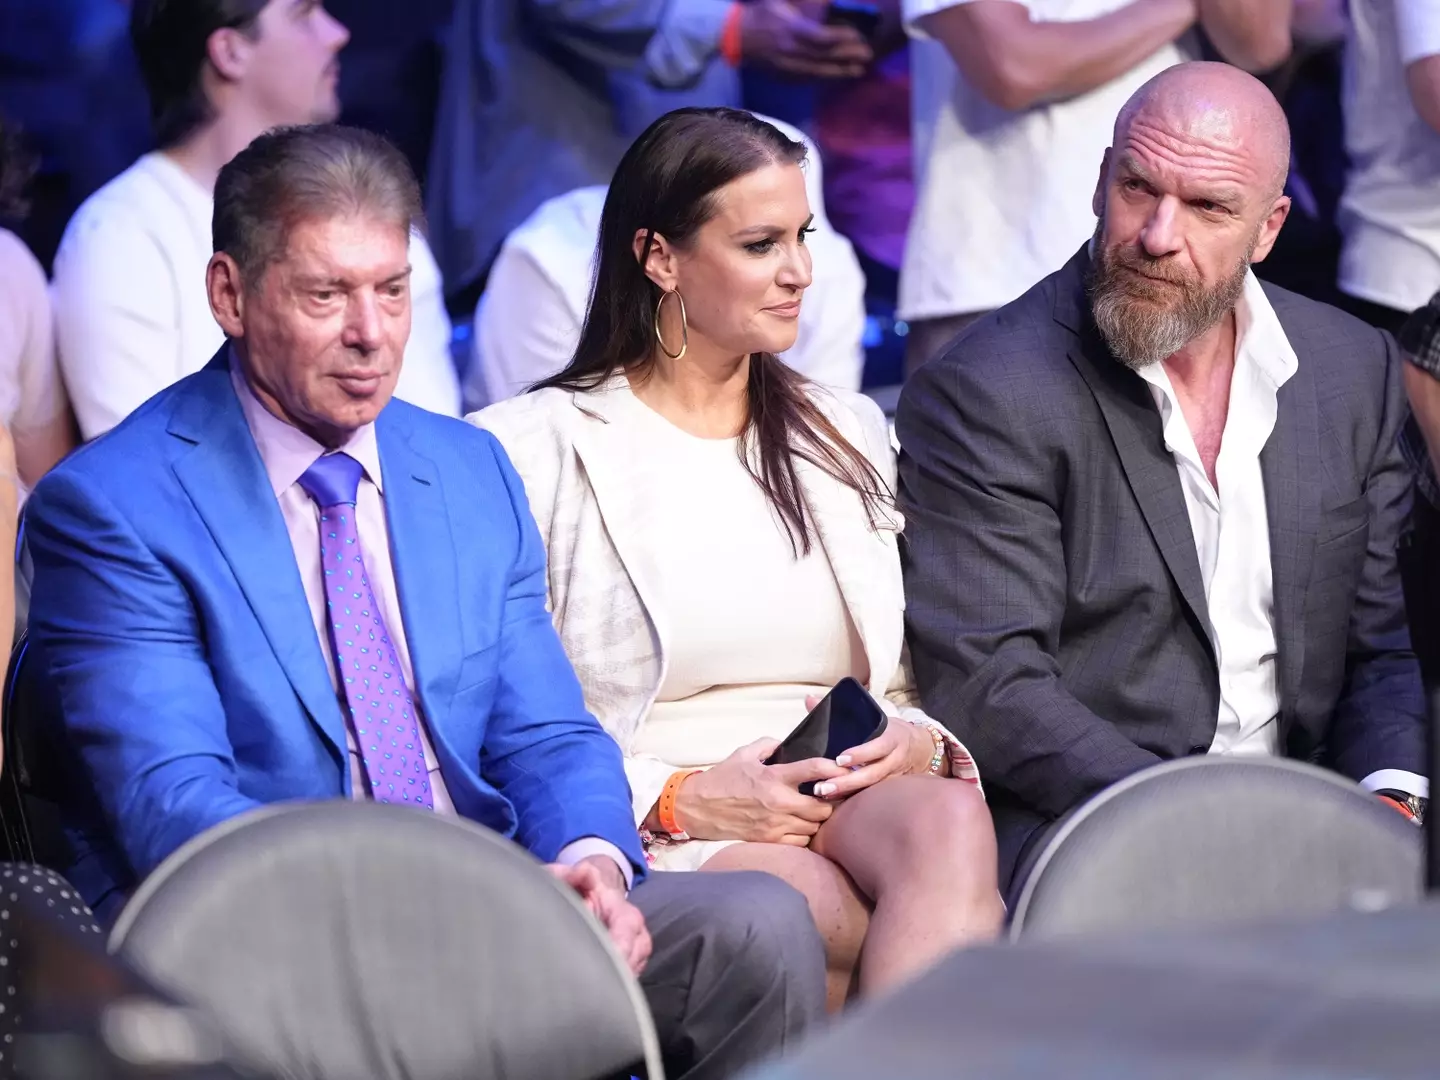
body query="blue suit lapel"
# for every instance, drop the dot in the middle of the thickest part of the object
(426, 571)
(225, 479)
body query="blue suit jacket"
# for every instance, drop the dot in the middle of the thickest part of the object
(173, 632)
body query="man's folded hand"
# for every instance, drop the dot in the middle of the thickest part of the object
(601, 885)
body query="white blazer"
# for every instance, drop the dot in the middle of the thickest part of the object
(592, 491)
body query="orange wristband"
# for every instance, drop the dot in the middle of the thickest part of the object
(730, 36)
(666, 807)
(1398, 805)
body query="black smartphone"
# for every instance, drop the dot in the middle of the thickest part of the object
(846, 717)
(863, 16)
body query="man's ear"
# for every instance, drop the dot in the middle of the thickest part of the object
(1097, 201)
(225, 288)
(657, 256)
(1270, 228)
(229, 51)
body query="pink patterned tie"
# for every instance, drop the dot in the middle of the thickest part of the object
(382, 711)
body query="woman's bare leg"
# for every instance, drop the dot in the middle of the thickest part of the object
(841, 912)
(923, 849)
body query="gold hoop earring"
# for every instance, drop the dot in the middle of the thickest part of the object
(684, 325)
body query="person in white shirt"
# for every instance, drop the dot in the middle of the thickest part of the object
(33, 406)
(131, 314)
(1390, 213)
(528, 322)
(1152, 507)
(1013, 101)
(1389, 219)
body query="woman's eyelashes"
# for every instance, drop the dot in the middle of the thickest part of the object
(767, 245)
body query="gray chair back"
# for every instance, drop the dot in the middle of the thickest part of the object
(359, 941)
(1211, 840)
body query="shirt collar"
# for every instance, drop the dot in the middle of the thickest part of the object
(286, 451)
(1260, 338)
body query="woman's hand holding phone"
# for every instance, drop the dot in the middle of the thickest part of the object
(742, 798)
(901, 749)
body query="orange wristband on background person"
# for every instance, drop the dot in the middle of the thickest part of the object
(665, 808)
(730, 36)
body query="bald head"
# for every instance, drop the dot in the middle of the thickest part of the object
(1190, 194)
(1218, 108)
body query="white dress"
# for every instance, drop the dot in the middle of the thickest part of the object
(692, 626)
(754, 629)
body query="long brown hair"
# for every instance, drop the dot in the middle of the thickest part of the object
(666, 184)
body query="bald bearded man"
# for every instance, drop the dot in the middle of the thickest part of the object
(1153, 504)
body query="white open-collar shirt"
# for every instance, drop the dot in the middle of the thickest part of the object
(1232, 533)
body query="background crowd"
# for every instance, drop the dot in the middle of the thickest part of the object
(936, 148)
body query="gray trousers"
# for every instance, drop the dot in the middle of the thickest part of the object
(737, 973)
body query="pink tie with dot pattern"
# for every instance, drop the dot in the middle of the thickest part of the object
(382, 711)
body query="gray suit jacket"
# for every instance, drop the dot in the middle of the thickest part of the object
(1057, 618)
(543, 96)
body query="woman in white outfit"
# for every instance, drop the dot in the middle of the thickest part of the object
(722, 549)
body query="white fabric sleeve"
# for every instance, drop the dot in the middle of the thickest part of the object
(428, 378)
(1397, 780)
(672, 40)
(31, 394)
(1417, 25)
(117, 319)
(686, 41)
(524, 330)
(912, 11)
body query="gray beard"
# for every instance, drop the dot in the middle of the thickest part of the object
(1142, 321)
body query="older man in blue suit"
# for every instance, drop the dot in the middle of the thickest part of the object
(273, 582)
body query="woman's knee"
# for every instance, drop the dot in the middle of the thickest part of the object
(946, 827)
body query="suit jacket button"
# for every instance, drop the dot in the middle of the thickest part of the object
(1199, 750)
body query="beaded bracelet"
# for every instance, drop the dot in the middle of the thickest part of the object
(942, 751)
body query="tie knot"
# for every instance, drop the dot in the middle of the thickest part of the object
(333, 480)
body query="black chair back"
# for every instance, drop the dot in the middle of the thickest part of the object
(14, 777)
(31, 777)
(74, 1011)
(1418, 556)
